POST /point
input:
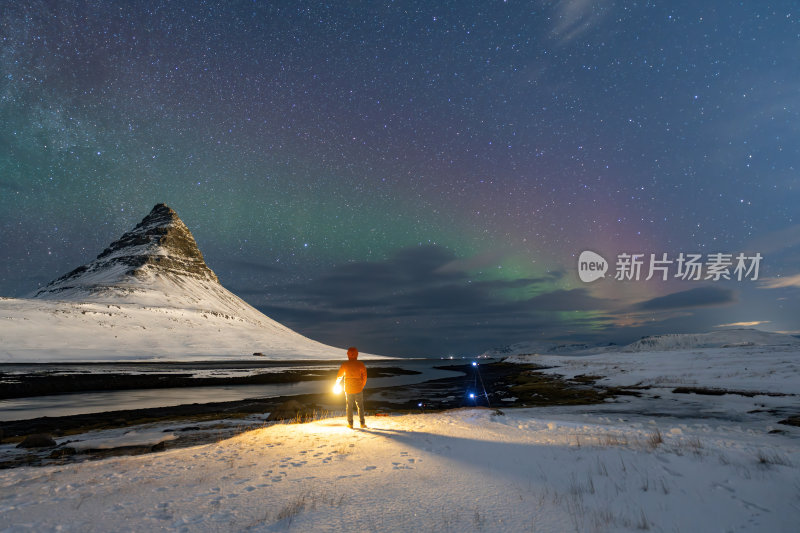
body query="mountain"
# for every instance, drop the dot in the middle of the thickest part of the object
(160, 246)
(148, 296)
(727, 338)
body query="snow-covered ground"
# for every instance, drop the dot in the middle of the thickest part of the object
(661, 462)
(771, 369)
(467, 470)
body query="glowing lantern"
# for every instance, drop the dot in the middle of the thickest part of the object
(337, 388)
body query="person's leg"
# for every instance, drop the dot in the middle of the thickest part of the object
(349, 399)
(359, 399)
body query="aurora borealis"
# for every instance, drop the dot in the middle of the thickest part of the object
(415, 178)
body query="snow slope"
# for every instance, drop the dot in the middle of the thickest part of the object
(766, 369)
(202, 321)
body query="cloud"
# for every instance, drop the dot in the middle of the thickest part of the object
(780, 283)
(574, 17)
(743, 324)
(409, 302)
(476, 262)
(567, 300)
(698, 297)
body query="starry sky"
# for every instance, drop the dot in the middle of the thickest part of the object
(416, 177)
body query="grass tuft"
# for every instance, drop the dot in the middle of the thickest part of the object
(768, 459)
(655, 439)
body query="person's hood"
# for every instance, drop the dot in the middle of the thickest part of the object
(352, 356)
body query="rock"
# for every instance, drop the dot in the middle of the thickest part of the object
(58, 453)
(37, 440)
(291, 409)
(160, 244)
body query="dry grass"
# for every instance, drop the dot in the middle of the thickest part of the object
(655, 439)
(767, 459)
(292, 509)
(612, 440)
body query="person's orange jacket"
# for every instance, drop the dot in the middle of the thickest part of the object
(355, 374)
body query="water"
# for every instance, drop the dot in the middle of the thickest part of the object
(95, 402)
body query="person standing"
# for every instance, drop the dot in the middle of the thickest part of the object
(354, 374)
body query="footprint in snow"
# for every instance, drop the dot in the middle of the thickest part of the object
(370, 467)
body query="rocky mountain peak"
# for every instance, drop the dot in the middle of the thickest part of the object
(160, 244)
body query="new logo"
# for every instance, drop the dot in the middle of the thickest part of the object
(591, 266)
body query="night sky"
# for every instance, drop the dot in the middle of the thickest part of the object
(416, 178)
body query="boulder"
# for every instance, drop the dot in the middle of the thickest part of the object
(37, 440)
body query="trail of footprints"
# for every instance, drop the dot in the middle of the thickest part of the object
(280, 471)
(326, 454)
(286, 465)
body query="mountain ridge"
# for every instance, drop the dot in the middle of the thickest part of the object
(159, 244)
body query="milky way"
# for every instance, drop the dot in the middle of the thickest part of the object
(415, 177)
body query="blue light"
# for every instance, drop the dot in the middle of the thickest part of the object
(471, 394)
(474, 363)
(419, 404)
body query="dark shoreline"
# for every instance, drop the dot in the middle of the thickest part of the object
(506, 385)
(502, 381)
(51, 381)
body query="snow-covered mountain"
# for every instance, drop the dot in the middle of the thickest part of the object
(149, 295)
(550, 348)
(160, 248)
(727, 338)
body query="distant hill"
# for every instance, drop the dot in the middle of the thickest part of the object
(726, 338)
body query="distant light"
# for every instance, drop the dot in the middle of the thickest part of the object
(474, 363)
(419, 404)
(471, 394)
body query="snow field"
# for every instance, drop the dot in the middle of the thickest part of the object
(462, 470)
(770, 369)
